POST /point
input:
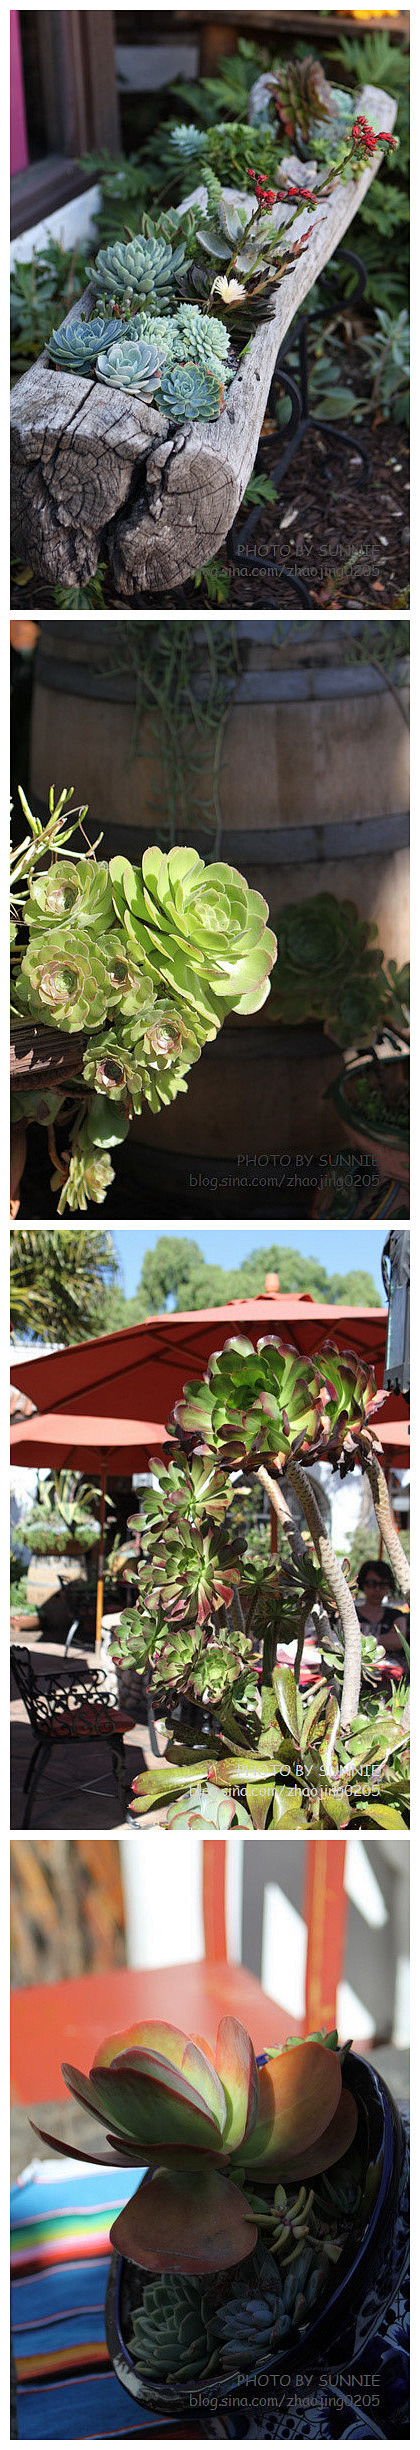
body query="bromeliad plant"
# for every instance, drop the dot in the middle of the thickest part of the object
(209, 1619)
(143, 963)
(226, 2141)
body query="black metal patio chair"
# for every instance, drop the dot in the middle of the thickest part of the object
(77, 1711)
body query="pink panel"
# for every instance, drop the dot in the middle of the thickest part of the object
(19, 156)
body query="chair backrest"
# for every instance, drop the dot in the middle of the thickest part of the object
(22, 1670)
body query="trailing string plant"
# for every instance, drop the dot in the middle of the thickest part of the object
(259, 2181)
(136, 966)
(141, 339)
(186, 709)
(201, 1607)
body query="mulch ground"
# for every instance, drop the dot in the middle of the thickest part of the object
(346, 541)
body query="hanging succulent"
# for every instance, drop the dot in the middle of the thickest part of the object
(145, 962)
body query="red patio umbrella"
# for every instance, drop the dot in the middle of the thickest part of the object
(88, 1445)
(142, 1369)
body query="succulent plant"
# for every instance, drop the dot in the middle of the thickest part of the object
(321, 944)
(145, 269)
(274, 1402)
(207, 1810)
(206, 2123)
(131, 366)
(73, 894)
(303, 99)
(89, 1177)
(201, 930)
(202, 339)
(257, 2323)
(64, 979)
(301, 1773)
(255, 251)
(190, 391)
(169, 2336)
(62, 1513)
(76, 345)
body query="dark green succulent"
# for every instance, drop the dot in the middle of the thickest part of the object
(169, 2336)
(76, 345)
(191, 391)
(323, 947)
(201, 930)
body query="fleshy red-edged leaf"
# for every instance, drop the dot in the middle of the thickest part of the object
(298, 2094)
(259, 1799)
(185, 2224)
(330, 2146)
(237, 2068)
(165, 2038)
(154, 2111)
(113, 2159)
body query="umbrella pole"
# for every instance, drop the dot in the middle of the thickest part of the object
(100, 1581)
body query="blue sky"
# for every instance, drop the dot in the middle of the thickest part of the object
(338, 1249)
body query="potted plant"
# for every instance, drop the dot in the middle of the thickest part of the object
(263, 1755)
(331, 969)
(269, 2205)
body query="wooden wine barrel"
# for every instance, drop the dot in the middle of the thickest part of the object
(314, 781)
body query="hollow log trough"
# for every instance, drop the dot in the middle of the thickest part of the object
(97, 475)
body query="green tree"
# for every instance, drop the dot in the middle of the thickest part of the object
(176, 1273)
(60, 1285)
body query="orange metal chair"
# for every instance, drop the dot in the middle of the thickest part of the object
(67, 2020)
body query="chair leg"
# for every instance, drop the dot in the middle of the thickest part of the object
(31, 1771)
(118, 1764)
(32, 1781)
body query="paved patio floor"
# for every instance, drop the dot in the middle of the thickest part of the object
(77, 1789)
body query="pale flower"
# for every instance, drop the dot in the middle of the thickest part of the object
(230, 291)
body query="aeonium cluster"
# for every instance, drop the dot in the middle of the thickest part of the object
(145, 962)
(211, 2126)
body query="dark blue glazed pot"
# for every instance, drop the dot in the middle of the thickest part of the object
(344, 2333)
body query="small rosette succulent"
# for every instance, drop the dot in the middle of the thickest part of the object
(64, 980)
(191, 391)
(89, 1178)
(273, 1404)
(206, 2123)
(131, 366)
(145, 269)
(76, 345)
(169, 2336)
(322, 944)
(200, 929)
(73, 894)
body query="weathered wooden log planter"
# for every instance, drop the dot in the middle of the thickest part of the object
(95, 474)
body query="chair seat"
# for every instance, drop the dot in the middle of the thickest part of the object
(82, 2010)
(92, 1718)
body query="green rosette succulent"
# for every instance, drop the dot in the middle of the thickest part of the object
(169, 2337)
(191, 391)
(74, 894)
(145, 269)
(75, 346)
(131, 366)
(64, 980)
(200, 929)
(321, 945)
(273, 1403)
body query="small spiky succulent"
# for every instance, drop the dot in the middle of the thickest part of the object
(131, 366)
(190, 392)
(64, 980)
(200, 930)
(145, 269)
(76, 345)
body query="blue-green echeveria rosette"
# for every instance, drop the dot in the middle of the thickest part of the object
(131, 365)
(75, 346)
(200, 929)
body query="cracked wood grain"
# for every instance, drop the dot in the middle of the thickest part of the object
(95, 473)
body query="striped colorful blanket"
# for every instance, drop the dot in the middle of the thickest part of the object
(66, 2388)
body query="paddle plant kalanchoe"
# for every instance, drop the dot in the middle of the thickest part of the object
(212, 2127)
(138, 967)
